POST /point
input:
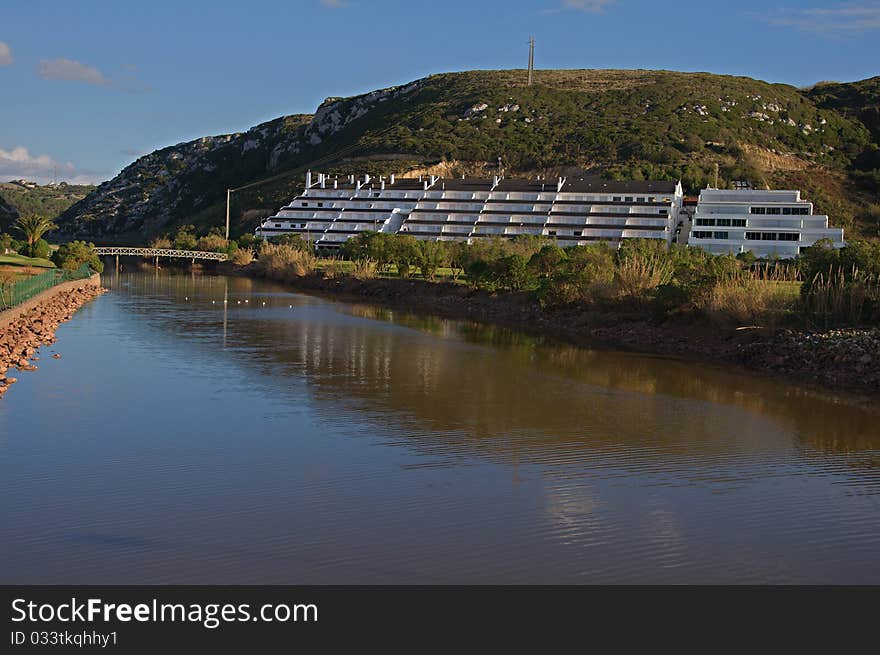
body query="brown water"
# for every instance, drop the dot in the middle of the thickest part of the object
(181, 439)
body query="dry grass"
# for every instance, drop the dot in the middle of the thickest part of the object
(639, 275)
(364, 269)
(751, 301)
(242, 257)
(333, 268)
(286, 262)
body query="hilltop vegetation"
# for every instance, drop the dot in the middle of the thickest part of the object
(49, 200)
(625, 124)
(8, 214)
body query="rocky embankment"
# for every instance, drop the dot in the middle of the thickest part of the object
(845, 359)
(24, 334)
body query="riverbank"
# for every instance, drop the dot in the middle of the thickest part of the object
(27, 327)
(841, 359)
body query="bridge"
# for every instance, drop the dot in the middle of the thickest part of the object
(161, 252)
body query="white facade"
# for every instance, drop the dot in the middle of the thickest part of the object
(571, 211)
(768, 223)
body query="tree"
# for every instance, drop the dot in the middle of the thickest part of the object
(405, 253)
(70, 256)
(33, 227)
(432, 255)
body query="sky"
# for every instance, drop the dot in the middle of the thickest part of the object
(86, 87)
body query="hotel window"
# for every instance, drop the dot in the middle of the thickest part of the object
(758, 210)
(774, 210)
(786, 211)
(616, 198)
(629, 198)
(277, 224)
(789, 236)
(720, 235)
(302, 224)
(577, 233)
(552, 233)
(305, 204)
(662, 211)
(753, 236)
(705, 221)
(652, 199)
(723, 222)
(737, 222)
(701, 235)
(320, 204)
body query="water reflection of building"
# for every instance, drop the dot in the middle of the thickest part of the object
(453, 389)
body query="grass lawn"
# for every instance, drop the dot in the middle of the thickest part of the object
(21, 260)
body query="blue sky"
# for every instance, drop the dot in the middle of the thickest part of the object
(87, 86)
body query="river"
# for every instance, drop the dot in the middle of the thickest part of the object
(225, 430)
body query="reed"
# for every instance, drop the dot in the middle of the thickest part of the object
(842, 297)
(750, 300)
(364, 269)
(638, 276)
(283, 262)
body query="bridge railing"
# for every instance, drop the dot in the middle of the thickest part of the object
(18, 291)
(161, 252)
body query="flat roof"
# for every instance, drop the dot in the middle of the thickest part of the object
(594, 184)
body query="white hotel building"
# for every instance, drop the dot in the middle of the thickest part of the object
(769, 223)
(572, 211)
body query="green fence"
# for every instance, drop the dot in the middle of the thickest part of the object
(17, 292)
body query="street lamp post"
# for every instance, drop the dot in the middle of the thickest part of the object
(228, 197)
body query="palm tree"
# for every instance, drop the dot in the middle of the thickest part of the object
(33, 226)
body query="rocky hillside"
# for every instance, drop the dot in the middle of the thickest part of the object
(8, 214)
(639, 124)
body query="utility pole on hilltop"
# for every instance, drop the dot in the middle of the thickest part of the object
(531, 58)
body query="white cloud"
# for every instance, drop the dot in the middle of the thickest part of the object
(19, 163)
(334, 4)
(587, 6)
(846, 18)
(5, 54)
(72, 71)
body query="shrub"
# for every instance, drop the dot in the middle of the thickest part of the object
(70, 256)
(293, 240)
(40, 249)
(212, 243)
(161, 243)
(185, 239)
(512, 272)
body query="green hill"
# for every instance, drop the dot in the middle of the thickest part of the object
(8, 214)
(49, 200)
(625, 124)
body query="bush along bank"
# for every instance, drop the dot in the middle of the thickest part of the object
(814, 320)
(22, 335)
